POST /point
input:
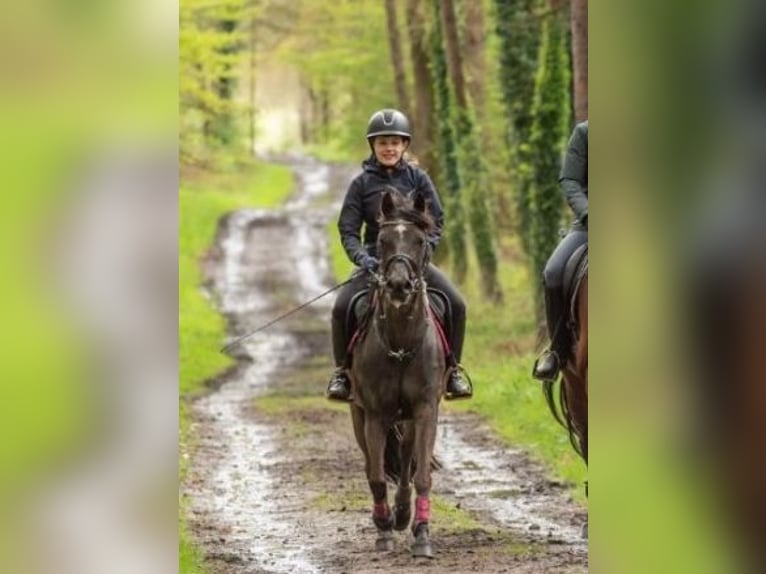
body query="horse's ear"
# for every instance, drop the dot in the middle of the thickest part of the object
(420, 202)
(387, 205)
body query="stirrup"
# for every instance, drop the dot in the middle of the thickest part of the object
(335, 381)
(551, 374)
(466, 378)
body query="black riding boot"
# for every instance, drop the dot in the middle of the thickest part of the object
(459, 383)
(549, 364)
(339, 387)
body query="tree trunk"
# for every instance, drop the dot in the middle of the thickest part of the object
(454, 232)
(518, 30)
(395, 45)
(454, 61)
(579, 22)
(550, 128)
(473, 171)
(423, 113)
(475, 61)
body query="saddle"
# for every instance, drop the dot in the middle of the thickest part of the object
(359, 314)
(575, 270)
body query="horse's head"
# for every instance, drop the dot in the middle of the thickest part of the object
(403, 245)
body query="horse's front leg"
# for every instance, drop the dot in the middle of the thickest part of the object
(425, 418)
(403, 505)
(375, 436)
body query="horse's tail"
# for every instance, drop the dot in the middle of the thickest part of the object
(548, 390)
(392, 462)
(562, 413)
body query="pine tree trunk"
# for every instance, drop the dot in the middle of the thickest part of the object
(397, 61)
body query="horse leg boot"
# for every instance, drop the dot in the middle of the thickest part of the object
(375, 438)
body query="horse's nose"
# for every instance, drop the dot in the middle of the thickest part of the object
(399, 286)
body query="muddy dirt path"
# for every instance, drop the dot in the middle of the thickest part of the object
(277, 482)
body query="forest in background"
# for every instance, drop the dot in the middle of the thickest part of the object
(492, 88)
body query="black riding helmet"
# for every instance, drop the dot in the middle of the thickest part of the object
(388, 122)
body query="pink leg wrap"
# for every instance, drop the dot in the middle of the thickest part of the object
(422, 509)
(381, 510)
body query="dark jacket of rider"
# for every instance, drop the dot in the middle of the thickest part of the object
(574, 175)
(362, 204)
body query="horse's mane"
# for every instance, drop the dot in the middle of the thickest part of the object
(404, 208)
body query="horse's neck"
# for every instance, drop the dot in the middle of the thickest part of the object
(403, 326)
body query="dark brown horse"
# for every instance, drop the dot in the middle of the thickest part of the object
(398, 374)
(573, 392)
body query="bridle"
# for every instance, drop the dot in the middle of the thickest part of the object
(416, 283)
(415, 270)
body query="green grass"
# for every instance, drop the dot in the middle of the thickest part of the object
(203, 199)
(499, 353)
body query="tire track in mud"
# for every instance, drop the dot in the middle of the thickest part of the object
(278, 486)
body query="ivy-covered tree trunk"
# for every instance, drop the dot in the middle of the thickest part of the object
(551, 126)
(579, 12)
(448, 153)
(423, 113)
(518, 30)
(219, 128)
(472, 168)
(475, 57)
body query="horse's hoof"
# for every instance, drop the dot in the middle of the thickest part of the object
(385, 542)
(402, 516)
(422, 550)
(584, 531)
(421, 546)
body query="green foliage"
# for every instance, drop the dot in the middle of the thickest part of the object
(551, 126)
(341, 52)
(478, 188)
(210, 41)
(518, 29)
(447, 150)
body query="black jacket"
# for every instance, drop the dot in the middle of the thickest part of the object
(361, 205)
(574, 175)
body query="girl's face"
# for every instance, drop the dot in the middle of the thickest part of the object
(389, 149)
